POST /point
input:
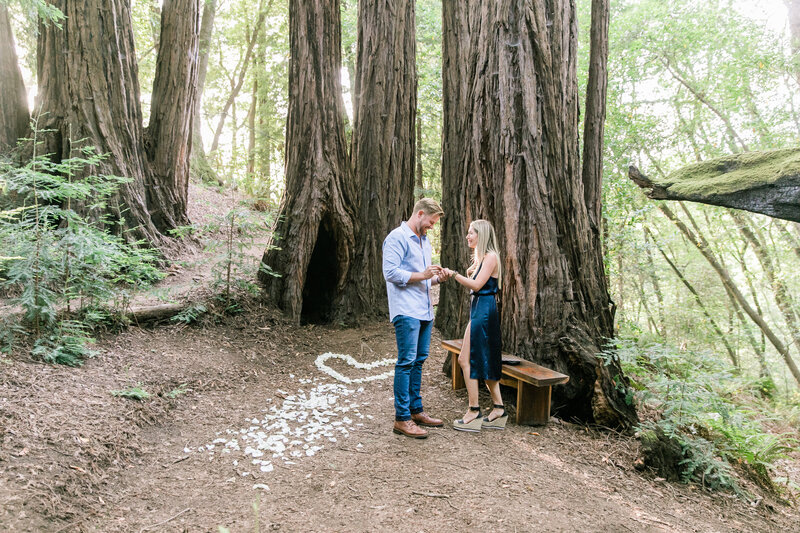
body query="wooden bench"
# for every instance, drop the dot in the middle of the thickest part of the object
(533, 383)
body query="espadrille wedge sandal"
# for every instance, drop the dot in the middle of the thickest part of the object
(473, 426)
(497, 423)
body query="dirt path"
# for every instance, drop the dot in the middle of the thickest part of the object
(75, 458)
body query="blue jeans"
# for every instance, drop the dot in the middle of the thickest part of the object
(413, 345)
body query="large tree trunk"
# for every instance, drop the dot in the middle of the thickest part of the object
(522, 161)
(169, 133)
(14, 101)
(90, 90)
(452, 311)
(314, 236)
(383, 148)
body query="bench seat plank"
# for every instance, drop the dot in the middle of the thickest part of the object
(533, 383)
(525, 370)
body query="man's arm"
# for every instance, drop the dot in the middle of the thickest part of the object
(393, 253)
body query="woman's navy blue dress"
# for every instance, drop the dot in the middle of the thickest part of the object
(485, 359)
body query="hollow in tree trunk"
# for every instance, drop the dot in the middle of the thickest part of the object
(313, 239)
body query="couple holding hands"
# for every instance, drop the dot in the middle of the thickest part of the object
(409, 275)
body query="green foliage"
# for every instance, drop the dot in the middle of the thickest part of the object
(67, 345)
(191, 314)
(134, 393)
(229, 239)
(58, 260)
(45, 11)
(180, 391)
(716, 415)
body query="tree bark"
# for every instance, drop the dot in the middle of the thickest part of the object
(14, 115)
(522, 163)
(313, 239)
(452, 311)
(383, 146)
(760, 182)
(420, 182)
(200, 165)
(168, 138)
(594, 119)
(89, 90)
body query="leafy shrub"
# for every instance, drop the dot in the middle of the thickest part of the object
(56, 256)
(134, 393)
(711, 411)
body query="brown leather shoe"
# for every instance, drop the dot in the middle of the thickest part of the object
(409, 429)
(422, 419)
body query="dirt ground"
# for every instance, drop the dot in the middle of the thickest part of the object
(246, 429)
(73, 457)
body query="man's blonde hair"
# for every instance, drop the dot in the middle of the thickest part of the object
(429, 206)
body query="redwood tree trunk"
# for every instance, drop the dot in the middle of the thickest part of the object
(200, 164)
(14, 101)
(89, 90)
(452, 311)
(383, 148)
(594, 119)
(521, 160)
(169, 133)
(313, 239)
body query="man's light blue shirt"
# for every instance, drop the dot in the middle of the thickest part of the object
(404, 253)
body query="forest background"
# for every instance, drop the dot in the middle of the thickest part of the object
(688, 81)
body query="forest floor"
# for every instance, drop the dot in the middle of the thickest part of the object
(246, 429)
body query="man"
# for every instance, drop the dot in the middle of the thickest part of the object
(409, 276)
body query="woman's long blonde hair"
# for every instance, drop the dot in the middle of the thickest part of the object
(487, 242)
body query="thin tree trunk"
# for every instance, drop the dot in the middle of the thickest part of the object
(242, 74)
(452, 311)
(200, 164)
(251, 131)
(698, 300)
(313, 240)
(792, 240)
(169, 134)
(702, 98)
(780, 292)
(594, 121)
(656, 286)
(702, 246)
(14, 115)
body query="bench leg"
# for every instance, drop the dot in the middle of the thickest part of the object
(456, 374)
(533, 405)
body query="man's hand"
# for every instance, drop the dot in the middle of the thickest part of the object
(445, 274)
(431, 271)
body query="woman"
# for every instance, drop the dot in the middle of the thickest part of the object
(480, 356)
